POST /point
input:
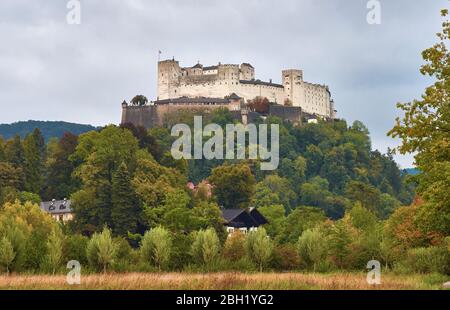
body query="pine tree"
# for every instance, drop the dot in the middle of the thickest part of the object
(33, 167)
(124, 211)
(14, 154)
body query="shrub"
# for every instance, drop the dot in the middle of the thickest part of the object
(156, 247)
(101, 250)
(206, 246)
(234, 249)
(259, 247)
(285, 257)
(75, 248)
(312, 248)
(427, 260)
(7, 253)
(54, 255)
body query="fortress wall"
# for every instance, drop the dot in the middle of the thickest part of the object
(292, 114)
(317, 99)
(250, 91)
(216, 89)
(153, 116)
(146, 116)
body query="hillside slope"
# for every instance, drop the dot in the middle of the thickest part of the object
(49, 129)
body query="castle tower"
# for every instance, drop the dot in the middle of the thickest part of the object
(293, 86)
(169, 73)
(247, 72)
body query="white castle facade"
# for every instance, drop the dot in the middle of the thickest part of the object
(222, 80)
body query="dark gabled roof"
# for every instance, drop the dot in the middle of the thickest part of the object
(57, 206)
(197, 66)
(259, 218)
(210, 68)
(235, 216)
(234, 96)
(247, 64)
(231, 214)
(259, 82)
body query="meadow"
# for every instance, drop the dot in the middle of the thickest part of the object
(222, 281)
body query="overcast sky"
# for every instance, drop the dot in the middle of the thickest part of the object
(50, 70)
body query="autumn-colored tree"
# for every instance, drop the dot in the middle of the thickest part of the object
(425, 129)
(260, 105)
(234, 248)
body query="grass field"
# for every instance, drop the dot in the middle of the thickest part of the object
(222, 281)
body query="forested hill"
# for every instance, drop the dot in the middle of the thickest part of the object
(48, 129)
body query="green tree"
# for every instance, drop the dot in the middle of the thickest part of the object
(342, 235)
(139, 100)
(125, 210)
(9, 175)
(259, 247)
(7, 253)
(234, 185)
(281, 187)
(14, 154)
(99, 156)
(276, 216)
(156, 247)
(59, 182)
(312, 248)
(33, 167)
(299, 220)
(425, 130)
(101, 250)
(54, 251)
(206, 246)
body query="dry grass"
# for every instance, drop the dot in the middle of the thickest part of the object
(214, 281)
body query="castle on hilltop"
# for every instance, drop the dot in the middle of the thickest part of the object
(205, 88)
(222, 80)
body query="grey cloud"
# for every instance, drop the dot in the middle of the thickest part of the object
(53, 71)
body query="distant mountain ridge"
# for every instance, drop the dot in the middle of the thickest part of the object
(49, 129)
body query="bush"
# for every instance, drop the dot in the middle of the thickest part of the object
(53, 258)
(234, 249)
(101, 250)
(285, 257)
(156, 247)
(75, 248)
(259, 247)
(206, 246)
(427, 260)
(181, 252)
(312, 248)
(7, 254)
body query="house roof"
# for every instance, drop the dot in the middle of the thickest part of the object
(262, 83)
(248, 65)
(231, 214)
(210, 68)
(243, 217)
(234, 96)
(57, 206)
